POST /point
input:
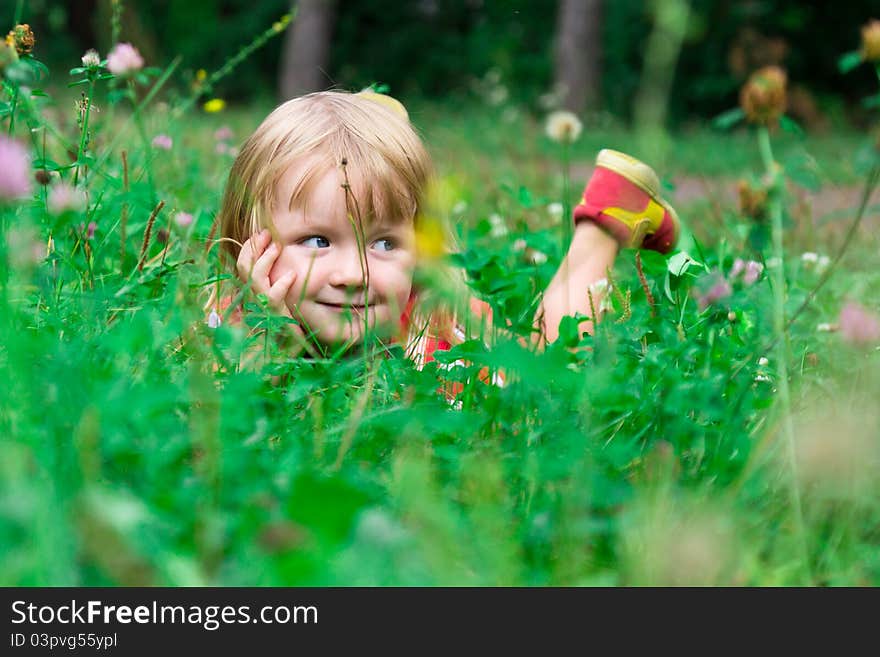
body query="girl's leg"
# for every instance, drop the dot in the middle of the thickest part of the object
(621, 206)
(589, 258)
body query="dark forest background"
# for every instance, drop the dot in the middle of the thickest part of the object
(437, 49)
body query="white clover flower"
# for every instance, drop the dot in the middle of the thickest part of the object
(498, 95)
(809, 258)
(555, 210)
(822, 263)
(509, 115)
(762, 377)
(538, 257)
(520, 245)
(91, 59)
(762, 361)
(493, 76)
(499, 228)
(563, 127)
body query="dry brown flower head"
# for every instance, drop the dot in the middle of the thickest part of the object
(763, 97)
(871, 41)
(22, 39)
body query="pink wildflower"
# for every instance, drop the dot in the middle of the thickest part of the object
(183, 219)
(750, 270)
(64, 197)
(738, 266)
(858, 325)
(15, 179)
(163, 141)
(123, 59)
(88, 230)
(718, 288)
(223, 133)
(753, 272)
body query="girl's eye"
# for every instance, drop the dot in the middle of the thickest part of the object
(316, 242)
(383, 244)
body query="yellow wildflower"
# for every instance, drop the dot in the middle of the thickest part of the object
(430, 239)
(214, 105)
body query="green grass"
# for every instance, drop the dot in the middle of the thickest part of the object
(136, 450)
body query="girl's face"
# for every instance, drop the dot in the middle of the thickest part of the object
(331, 294)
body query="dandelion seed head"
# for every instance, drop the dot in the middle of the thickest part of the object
(563, 127)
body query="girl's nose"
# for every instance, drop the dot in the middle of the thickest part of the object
(348, 270)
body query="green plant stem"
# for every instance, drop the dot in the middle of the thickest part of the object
(145, 142)
(19, 8)
(277, 28)
(779, 330)
(12, 111)
(135, 116)
(84, 133)
(115, 21)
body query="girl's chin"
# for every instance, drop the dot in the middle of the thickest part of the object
(352, 332)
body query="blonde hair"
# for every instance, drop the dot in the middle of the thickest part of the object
(369, 139)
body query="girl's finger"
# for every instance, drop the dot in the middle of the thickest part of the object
(279, 290)
(263, 265)
(252, 249)
(245, 260)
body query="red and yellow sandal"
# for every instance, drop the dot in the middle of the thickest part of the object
(623, 198)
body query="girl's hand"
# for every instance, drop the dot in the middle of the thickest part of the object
(255, 261)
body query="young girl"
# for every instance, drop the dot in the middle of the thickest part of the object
(321, 213)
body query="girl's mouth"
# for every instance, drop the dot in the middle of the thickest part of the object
(342, 307)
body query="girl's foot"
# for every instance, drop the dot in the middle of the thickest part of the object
(623, 198)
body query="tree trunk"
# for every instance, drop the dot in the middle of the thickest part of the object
(578, 53)
(306, 51)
